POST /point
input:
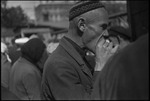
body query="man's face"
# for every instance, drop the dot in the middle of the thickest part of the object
(95, 30)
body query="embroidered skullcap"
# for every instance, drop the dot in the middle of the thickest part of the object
(83, 7)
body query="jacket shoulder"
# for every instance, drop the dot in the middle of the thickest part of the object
(59, 59)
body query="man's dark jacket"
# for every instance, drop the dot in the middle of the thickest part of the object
(66, 76)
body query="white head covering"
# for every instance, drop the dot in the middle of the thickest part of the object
(3, 47)
(21, 40)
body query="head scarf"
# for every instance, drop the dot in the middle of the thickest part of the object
(33, 50)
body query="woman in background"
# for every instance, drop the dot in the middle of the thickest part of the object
(25, 76)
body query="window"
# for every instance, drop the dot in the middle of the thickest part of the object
(46, 17)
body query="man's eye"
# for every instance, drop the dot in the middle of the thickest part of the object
(104, 26)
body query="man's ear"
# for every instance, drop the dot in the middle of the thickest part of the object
(81, 24)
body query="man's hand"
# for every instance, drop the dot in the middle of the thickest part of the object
(104, 50)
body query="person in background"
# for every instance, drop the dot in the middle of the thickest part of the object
(67, 74)
(126, 76)
(25, 75)
(5, 72)
(5, 66)
(14, 51)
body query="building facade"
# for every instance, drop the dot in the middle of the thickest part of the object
(53, 13)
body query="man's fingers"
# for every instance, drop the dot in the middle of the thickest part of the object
(106, 44)
(110, 46)
(115, 49)
(101, 41)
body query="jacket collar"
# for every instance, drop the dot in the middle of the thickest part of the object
(77, 48)
(74, 54)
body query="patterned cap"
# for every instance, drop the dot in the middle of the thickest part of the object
(83, 7)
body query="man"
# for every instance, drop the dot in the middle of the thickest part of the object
(126, 76)
(67, 74)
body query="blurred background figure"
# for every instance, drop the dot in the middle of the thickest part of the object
(26, 73)
(5, 65)
(14, 50)
(5, 72)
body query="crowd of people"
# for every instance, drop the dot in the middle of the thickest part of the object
(91, 62)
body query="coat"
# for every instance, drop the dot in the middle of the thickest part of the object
(5, 70)
(25, 80)
(7, 95)
(66, 76)
(126, 76)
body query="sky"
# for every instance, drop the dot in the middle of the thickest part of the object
(28, 6)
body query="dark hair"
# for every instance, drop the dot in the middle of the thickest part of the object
(33, 50)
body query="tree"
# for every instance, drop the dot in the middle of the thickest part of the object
(12, 17)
